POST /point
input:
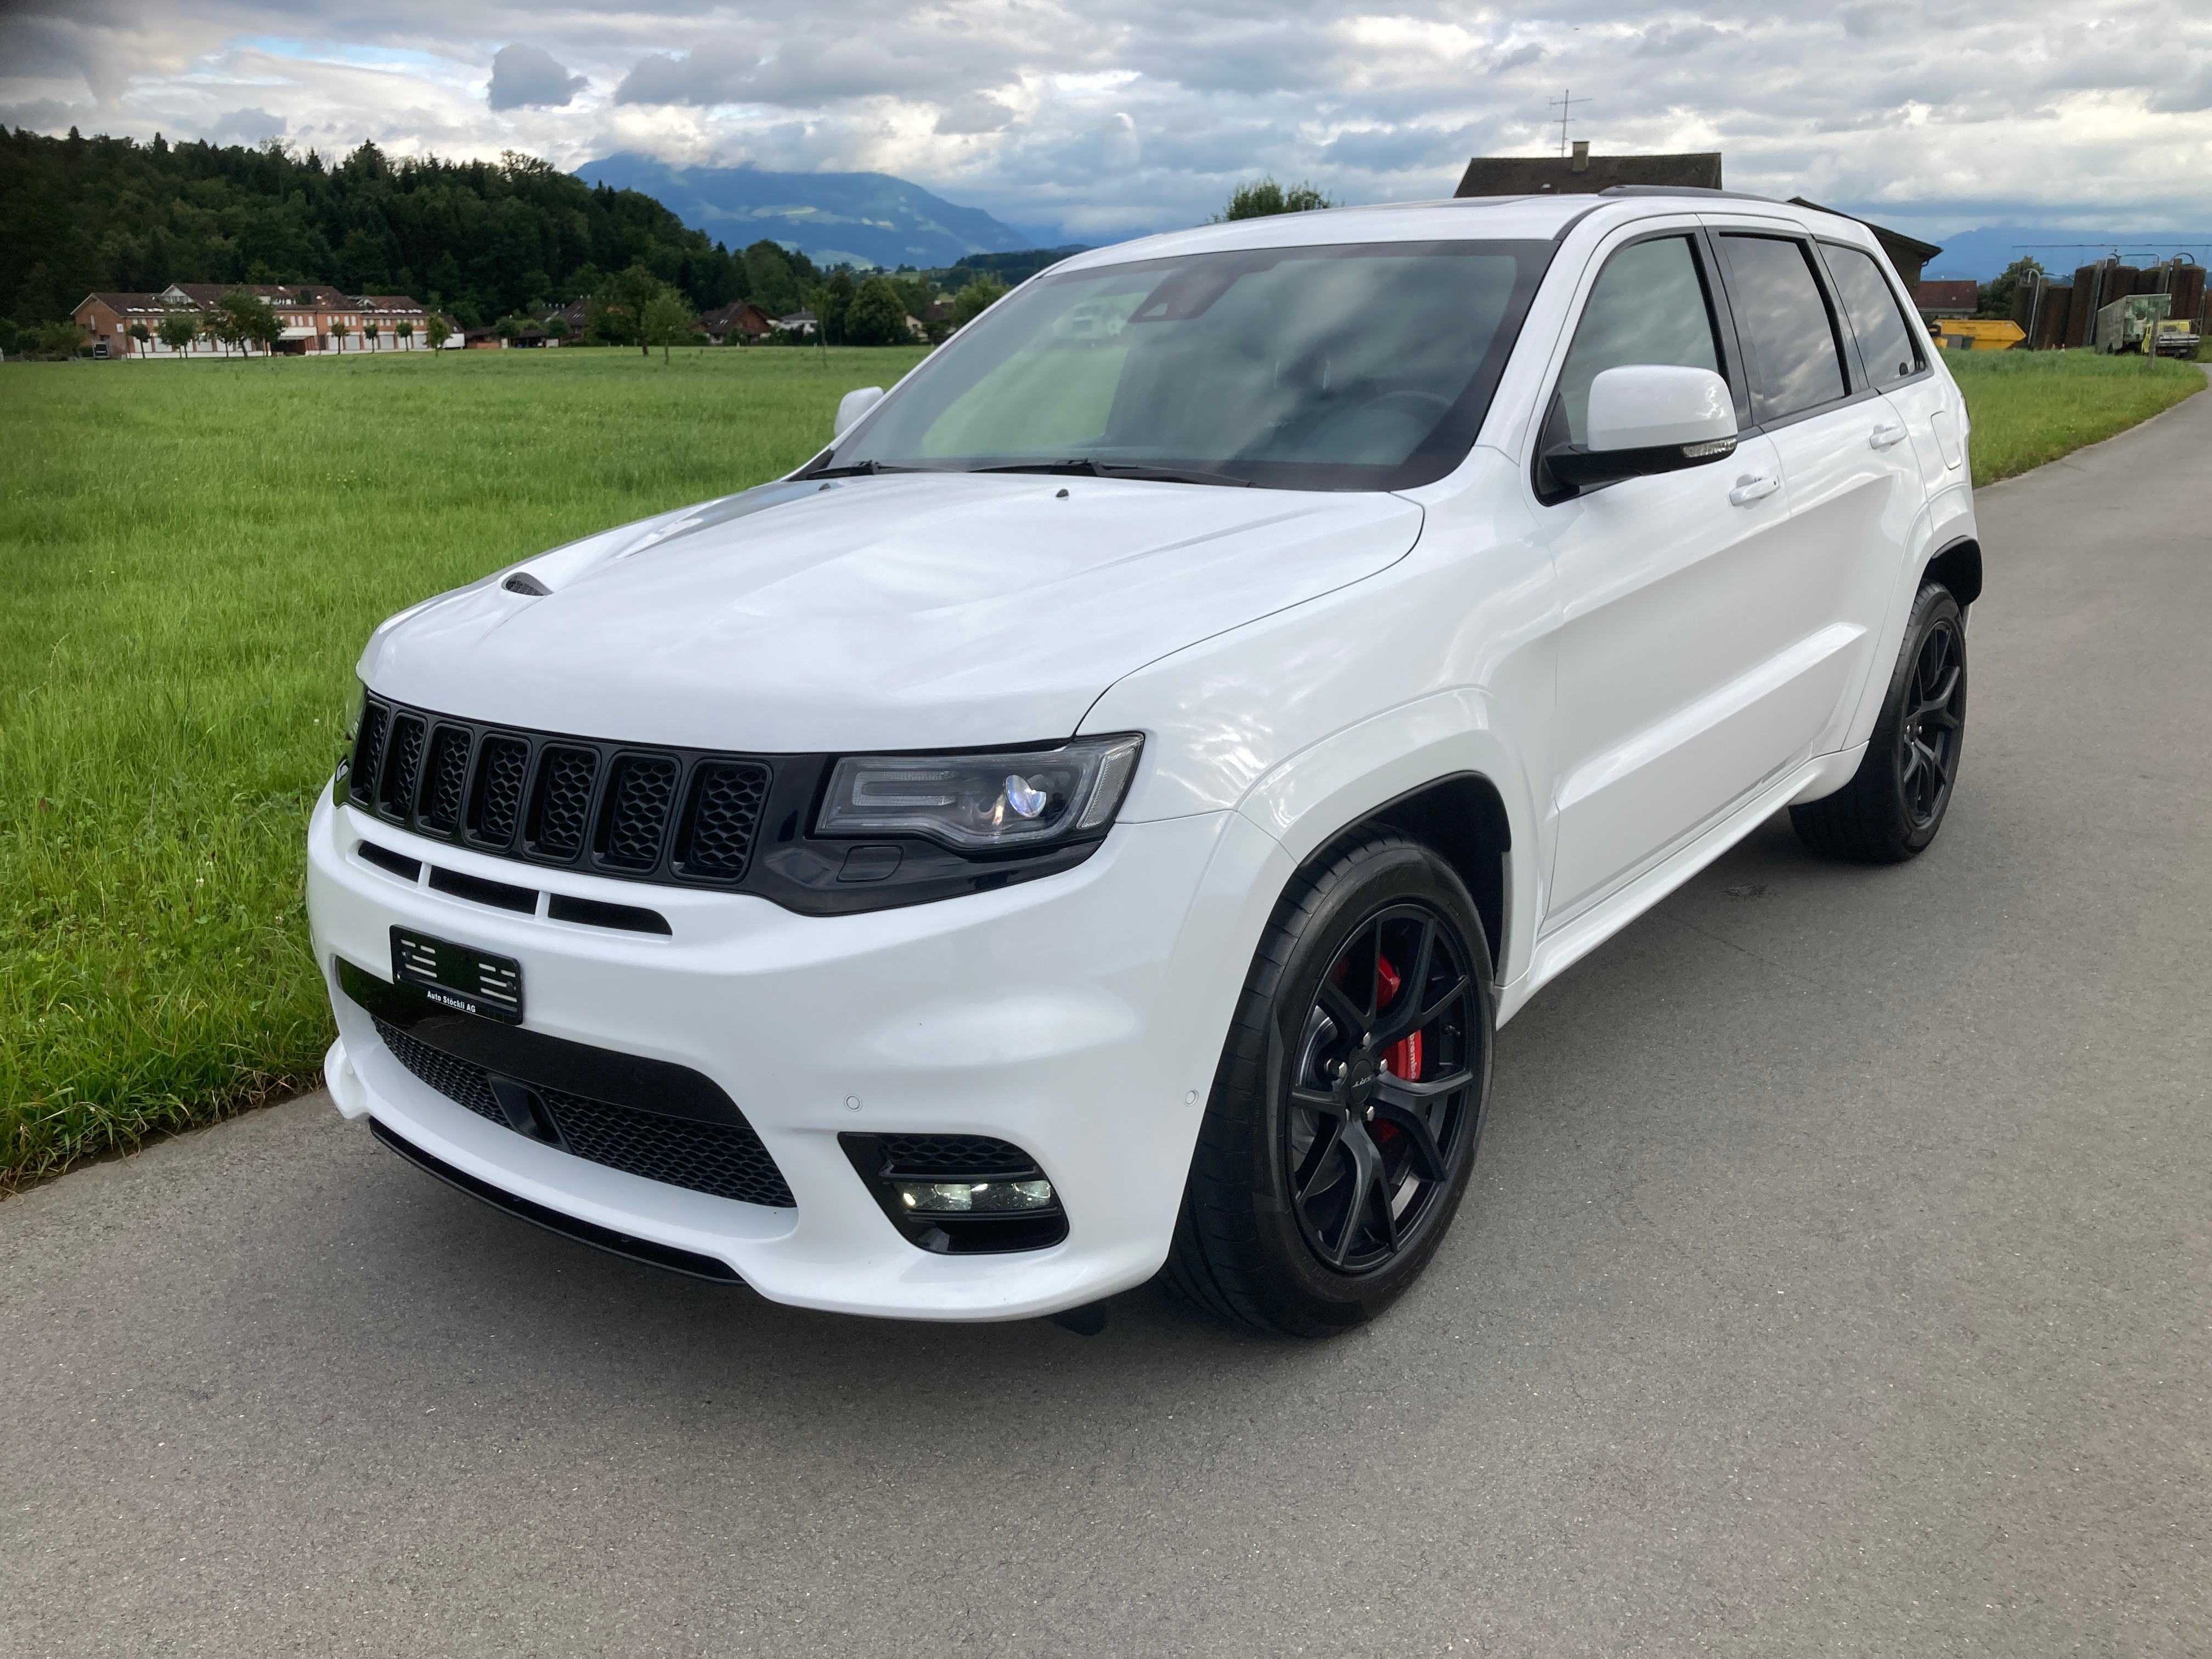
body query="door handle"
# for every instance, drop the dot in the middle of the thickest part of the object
(1889, 432)
(1754, 487)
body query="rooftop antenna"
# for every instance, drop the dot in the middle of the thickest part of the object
(1565, 103)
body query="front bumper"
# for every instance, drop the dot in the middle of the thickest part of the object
(1080, 1017)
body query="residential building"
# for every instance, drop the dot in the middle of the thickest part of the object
(743, 319)
(1581, 173)
(1946, 298)
(316, 318)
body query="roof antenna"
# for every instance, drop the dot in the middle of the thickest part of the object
(1565, 103)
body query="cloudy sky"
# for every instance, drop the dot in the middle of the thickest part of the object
(1096, 119)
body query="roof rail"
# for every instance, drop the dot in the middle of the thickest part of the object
(1687, 190)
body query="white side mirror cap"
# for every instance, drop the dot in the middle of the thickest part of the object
(1649, 405)
(853, 404)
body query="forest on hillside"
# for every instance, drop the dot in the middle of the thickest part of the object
(481, 239)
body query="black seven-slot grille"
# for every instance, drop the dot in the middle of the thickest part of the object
(624, 810)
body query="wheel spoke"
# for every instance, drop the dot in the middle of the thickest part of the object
(1317, 1100)
(1940, 698)
(1367, 1162)
(1310, 1173)
(1400, 1093)
(1339, 1007)
(1415, 1126)
(1414, 1017)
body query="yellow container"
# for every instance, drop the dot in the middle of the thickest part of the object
(1977, 334)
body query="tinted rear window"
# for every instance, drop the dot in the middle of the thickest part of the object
(1794, 364)
(1886, 340)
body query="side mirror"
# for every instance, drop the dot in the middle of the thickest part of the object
(1647, 418)
(853, 404)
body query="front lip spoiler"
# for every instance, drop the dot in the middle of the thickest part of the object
(584, 1233)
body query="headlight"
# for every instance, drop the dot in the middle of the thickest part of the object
(976, 802)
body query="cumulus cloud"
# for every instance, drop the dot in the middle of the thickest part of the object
(1101, 116)
(524, 76)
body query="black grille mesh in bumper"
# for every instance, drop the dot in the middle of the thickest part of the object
(725, 1160)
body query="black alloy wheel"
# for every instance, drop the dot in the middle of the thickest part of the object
(1896, 801)
(1933, 724)
(1382, 1089)
(1345, 1116)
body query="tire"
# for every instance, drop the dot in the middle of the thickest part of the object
(1895, 802)
(1316, 1196)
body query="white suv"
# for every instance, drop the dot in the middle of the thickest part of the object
(1094, 816)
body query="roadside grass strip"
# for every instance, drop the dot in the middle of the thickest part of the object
(194, 554)
(2031, 407)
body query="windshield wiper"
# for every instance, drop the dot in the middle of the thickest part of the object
(865, 468)
(1096, 469)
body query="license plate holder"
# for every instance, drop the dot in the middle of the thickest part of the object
(459, 977)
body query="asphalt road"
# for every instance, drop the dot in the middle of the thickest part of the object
(1836, 1279)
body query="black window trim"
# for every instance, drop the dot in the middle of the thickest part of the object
(1724, 340)
(1856, 390)
(1921, 355)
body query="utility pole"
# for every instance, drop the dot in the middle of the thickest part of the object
(1565, 103)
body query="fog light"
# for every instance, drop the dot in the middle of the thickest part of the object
(973, 1197)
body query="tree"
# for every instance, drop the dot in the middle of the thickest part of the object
(139, 332)
(268, 328)
(437, 331)
(557, 328)
(506, 328)
(664, 320)
(337, 335)
(242, 318)
(1996, 296)
(61, 339)
(973, 299)
(369, 330)
(830, 301)
(1265, 198)
(179, 330)
(877, 315)
(618, 308)
(405, 331)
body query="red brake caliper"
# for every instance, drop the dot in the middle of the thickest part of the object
(1404, 1058)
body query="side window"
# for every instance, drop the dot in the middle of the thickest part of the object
(1889, 344)
(1795, 362)
(1648, 307)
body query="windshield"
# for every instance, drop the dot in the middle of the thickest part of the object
(1365, 367)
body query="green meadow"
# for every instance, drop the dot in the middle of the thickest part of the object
(193, 554)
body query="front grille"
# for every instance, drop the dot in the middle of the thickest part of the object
(403, 763)
(725, 1159)
(563, 805)
(720, 1158)
(638, 799)
(725, 808)
(459, 1081)
(448, 779)
(368, 751)
(499, 790)
(971, 1158)
(668, 816)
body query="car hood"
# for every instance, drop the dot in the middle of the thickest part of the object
(901, 611)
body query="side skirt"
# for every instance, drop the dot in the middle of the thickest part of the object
(1556, 951)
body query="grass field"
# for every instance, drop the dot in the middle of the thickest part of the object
(195, 552)
(2030, 407)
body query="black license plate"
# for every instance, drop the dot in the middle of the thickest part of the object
(459, 977)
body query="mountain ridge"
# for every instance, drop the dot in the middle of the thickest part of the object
(859, 218)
